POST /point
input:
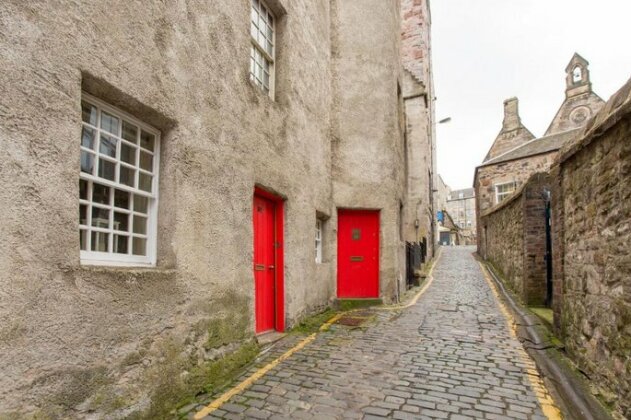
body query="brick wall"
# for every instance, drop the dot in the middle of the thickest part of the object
(595, 207)
(513, 239)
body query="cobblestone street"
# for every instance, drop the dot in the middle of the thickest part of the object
(450, 356)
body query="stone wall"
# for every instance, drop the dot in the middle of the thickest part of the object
(77, 339)
(514, 239)
(518, 171)
(417, 93)
(595, 182)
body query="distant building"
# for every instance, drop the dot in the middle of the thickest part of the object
(516, 154)
(461, 206)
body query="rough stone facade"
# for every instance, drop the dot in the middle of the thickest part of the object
(514, 239)
(418, 101)
(71, 334)
(580, 103)
(513, 133)
(595, 215)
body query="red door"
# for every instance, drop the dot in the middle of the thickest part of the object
(358, 254)
(264, 263)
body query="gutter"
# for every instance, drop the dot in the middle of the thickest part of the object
(572, 391)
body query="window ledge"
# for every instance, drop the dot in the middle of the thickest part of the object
(261, 93)
(135, 269)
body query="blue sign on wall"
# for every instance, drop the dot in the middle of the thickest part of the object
(440, 216)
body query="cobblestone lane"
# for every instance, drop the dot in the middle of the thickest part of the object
(451, 356)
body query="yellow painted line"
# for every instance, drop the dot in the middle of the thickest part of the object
(241, 386)
(214, 405)
(549, 408)
(430, 279)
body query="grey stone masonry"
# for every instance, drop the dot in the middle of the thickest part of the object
(450, 356)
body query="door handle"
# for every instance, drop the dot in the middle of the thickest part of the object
(271, 267)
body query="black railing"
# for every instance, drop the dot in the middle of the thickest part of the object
(415, 253)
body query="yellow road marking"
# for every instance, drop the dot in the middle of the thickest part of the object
(430, 279)
(241, 386)
(214, 405)
(549, 408)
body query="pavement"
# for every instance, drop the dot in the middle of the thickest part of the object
(452, 355)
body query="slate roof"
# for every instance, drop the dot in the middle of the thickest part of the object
(536, 147)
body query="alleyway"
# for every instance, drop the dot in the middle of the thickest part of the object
(451, 355)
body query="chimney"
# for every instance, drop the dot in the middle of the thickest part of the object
(511, 115)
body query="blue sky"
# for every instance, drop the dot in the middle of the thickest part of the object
(485, 51)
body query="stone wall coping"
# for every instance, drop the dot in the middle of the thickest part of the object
(616, 108)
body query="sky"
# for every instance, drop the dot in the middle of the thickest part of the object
(485, 51)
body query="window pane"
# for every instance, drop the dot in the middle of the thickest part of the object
(121, 221)
(128, 154)
(141, 203)
(146, 161)
(83, 214)
(108, 145)
(121, 244)
(107, 169)
(83, 189)
(127, 176)
(87, 138)
(99, 241)
(87, 162)
(144, 182)
(100, 194)
(109, 123)
(140, 246)
(146, 140)
(88, 113)
(140, 224)
(83, 240)
(121, 199)
(100, 217)
(130, 132)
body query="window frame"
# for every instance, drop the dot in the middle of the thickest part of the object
(254, 44)
(503, 194)
(319, 235)
(98, 258)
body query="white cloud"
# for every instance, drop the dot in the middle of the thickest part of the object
(485, 51)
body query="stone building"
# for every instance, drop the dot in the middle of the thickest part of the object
(206, 147)
(516, 154)
(461, 207)
(420, 127)
(564, 239)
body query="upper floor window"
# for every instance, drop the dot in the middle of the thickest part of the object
(504, 190)
(318, 241)
(117, 187)
(262, 34)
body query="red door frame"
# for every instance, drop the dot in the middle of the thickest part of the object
(279, 281)
(377, 213)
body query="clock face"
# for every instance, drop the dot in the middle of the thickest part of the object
(580, 114)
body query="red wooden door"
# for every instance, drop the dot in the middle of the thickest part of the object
(358, 254)
(264, 263)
